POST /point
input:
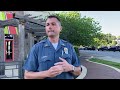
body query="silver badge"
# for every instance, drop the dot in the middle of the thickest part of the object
(66, 50)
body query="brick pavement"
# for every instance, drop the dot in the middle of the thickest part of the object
(97, 71)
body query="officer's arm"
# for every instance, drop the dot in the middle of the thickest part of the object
(76, 68)
(31, 66)
(35, 75)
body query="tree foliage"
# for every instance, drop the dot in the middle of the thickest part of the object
(105, 40)
(118, 37)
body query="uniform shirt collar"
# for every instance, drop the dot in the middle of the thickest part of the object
(48, 43)
(61, 42)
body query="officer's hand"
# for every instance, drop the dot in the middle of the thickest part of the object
(55, 70)
(66, 66)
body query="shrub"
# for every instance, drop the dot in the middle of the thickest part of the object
(77, 50)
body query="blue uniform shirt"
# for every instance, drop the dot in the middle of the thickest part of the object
(43, 56)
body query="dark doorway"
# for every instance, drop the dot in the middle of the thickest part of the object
(9, 49)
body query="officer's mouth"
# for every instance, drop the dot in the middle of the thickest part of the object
(50, 31)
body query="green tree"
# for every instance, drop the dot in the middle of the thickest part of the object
(109, 37)
(106, 39)
(118, 37)
(113, 43)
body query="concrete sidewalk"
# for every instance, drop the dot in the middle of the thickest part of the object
(97, 71)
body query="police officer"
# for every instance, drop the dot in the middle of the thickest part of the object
(52, 58)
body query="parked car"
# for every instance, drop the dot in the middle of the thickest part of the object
(118, 48)
(103, 48)
(89, 48)
(114, 48)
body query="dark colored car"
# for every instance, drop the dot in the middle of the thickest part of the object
(103, 48)
(90, 48)
(114, 48)
(118, 48)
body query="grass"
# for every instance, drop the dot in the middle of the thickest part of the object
(114, 64)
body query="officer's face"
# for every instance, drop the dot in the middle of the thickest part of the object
(53, 27)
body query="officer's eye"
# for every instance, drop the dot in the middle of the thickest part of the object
(53, 24)
(47, 24)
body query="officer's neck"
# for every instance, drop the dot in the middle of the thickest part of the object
(53, 39)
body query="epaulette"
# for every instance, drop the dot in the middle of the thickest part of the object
(64, 41)
(67, 42)
(42, 41)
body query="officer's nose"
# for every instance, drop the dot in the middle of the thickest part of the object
(50, 28)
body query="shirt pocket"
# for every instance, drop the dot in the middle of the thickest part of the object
(45, 63)
(67, 57)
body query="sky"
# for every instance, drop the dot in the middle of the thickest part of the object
(109, 20)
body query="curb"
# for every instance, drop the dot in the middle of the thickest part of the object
(118, 70)
(83, 73)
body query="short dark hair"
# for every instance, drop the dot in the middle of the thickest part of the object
(54, 16)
